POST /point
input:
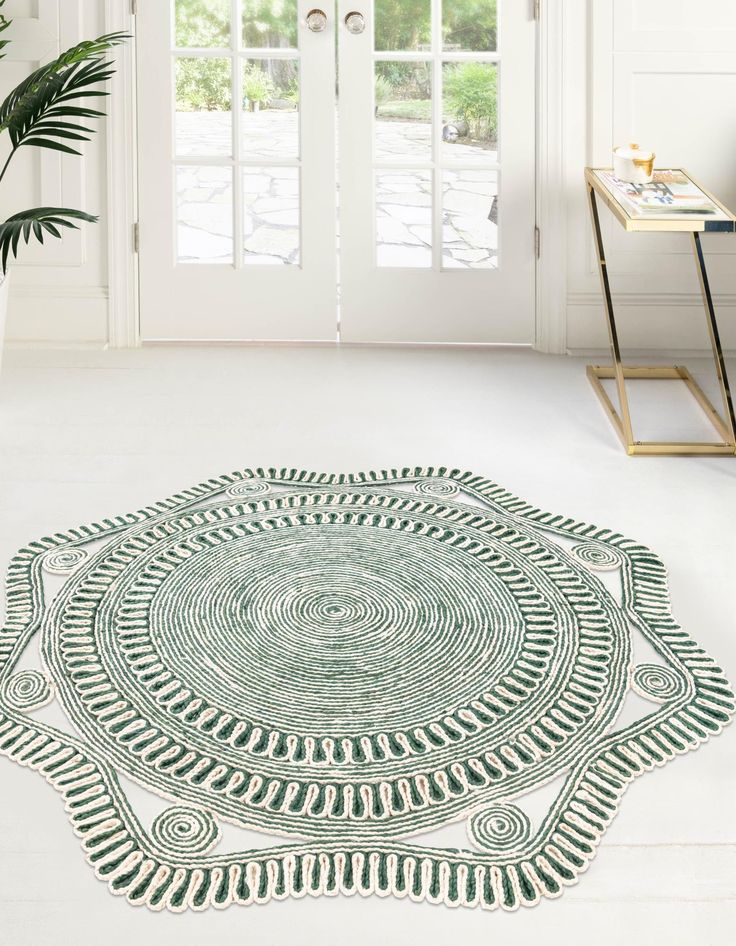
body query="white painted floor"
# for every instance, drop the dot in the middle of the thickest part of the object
(84, 435)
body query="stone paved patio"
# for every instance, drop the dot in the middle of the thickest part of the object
(271, 195)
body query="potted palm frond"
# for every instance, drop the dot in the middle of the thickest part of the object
(44, 111)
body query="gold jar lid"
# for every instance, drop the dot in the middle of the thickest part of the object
(633, 152)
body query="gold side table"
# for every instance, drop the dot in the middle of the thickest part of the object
(725, 424)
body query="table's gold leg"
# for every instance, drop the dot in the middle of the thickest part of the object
(622, 421)
(728, 422)
(600, 373)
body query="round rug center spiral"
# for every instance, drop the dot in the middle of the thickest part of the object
(318, 629)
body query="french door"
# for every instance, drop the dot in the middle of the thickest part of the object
(236, 171)
(255, 115)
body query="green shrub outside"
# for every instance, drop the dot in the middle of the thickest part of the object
(203, 85)
(257, 85)
(471, 93)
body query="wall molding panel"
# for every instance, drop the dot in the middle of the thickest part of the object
(59, 290)
(675, 321)
(659, 74)
(705, 26)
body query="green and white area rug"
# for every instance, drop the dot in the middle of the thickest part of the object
(284, 684)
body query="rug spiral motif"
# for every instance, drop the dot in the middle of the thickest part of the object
(248, 489)
(657, 683)
(64, 561)
(355, 614)
(438, 488)
(183, 830)
(500, 828)
(28, 690)
(597, 556)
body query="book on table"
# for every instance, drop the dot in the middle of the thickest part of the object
(671, 194)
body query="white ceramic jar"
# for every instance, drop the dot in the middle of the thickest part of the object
(633, 165)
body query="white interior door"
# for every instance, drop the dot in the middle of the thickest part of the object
(237, 170)
(437, 170)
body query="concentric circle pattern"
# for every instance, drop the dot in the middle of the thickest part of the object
(352, 662)
(438, 488)
(64, 561)
(336, 620)
(248, 488)
(657, 683)
(187, 831)
(28, 690)
(597, 556)
(500, 828)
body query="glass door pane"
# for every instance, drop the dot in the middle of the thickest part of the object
(403, 25)
(202, 24)
(270, 24)
(470, 26)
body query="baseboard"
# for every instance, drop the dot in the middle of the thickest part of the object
(57, 317)
(72, 345)
(670, 355)
(657, 324)
(653, 300)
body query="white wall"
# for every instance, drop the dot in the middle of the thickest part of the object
(59, 291)
(662, 73)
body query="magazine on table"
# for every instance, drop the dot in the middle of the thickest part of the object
(671, 194)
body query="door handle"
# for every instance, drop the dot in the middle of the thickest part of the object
(355, 22)
(317, 21)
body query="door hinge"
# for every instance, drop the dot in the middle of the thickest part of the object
(136, 238)
(537, 9)
(134, 7)
(537, 242)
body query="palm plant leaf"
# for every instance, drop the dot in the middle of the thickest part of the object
(36, 223)
(45, 111)
(4, 24)
(37, 112)
(83, 52)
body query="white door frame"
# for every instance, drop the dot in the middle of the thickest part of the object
(122, 185)
(551, 316)
(551, 297)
